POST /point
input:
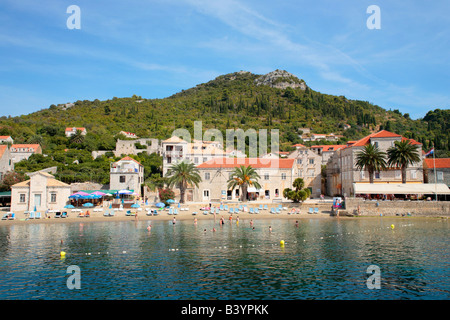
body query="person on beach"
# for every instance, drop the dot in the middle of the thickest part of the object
(270, 229)
(174, 220)
(222, 221)
(251, 223)
(149, 227)
(195, 221)
(230, 218)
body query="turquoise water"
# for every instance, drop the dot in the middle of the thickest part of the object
(321, 259)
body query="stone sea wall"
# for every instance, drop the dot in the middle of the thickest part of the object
(392, 208)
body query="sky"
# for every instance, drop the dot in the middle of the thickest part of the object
(156, 48)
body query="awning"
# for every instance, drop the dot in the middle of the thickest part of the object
(400, 188)
(253, 189)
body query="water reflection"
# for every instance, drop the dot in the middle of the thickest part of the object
(324, 259)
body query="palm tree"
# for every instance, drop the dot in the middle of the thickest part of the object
(371, 159)
(78, 137)
(402, 154)
(182, 174)
(243, 177)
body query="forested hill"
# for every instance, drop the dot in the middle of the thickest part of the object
(278, 100)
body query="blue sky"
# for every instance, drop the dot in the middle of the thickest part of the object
(157, 48)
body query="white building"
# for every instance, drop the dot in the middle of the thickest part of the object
(42, 192)
(24, 151)
(175, 150)
(127, 174)
(71, 131)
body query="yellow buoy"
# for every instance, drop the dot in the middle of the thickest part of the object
(392, 226)
(63, 254)
(282, 243)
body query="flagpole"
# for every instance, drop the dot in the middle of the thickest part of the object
(435, 174)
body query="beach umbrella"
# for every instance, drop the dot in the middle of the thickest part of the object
(69, 206)
(88, 205)
(135, 205)
(160, 205)
(75, 196)
(123, 191)
(170, 201)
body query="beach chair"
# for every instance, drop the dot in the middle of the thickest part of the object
(225, 208)
(221, 207)
(38, 215)
(175, 211)
(106, 214)
(32, 215)
(230, 210)
(57, 214)
(241, 208)
(266, 207)
(5, 216)
(256, 210)
(155, 212)
(260, 207)
(278, 210)
(205, 213)
(64, 214)
(170, 211)
(272, 210)
(87, 214)
(194, 213)
(316, 210)
(128, 213)
(12, 216)
(310, 210)
(251, 210)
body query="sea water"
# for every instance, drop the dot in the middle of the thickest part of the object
(320, 259)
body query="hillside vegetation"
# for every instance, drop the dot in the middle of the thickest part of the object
(278, 100)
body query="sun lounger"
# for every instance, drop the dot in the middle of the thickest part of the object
(310, 210)
(260, 207)
(58, 214)
(225, 208)
(106, 214)
(272, 210)
(38, 215)
(221, 207)
(32, 215)
(316, 210)
(175, 211)
(266, 207)
(194, 213)
(6, 216)
(12, 216)
(278, 210)
(64, 214)
(256, 210)
(252, 210)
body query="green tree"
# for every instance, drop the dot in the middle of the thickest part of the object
(182, 174)
(371, 159)
(402, 154)
(77, 138)
(243, 177)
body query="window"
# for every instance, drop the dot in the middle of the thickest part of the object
(375, 144)
(413, 174)
(22, 197)
(311, 161)
(283, 176)
(122, 179)
(440, 176)
(53, 197)
(276, 193)
(195, 160)
(169, 160)
(398, 174)
(266, 176)
(361, 174)
(207, 175)
(310, 172)
(377, 175)
(205, 159)
(299, 161)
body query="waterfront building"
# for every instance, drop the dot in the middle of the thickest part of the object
(442, 168)
(308, 167)
(6, 163)
(343, 176)
(127, 174)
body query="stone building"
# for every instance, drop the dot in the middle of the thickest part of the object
(127, 174)
(442, 168)
(276, 175)
(343, 176)
(308, 167)
(24, 151)
(41, 192)
(6, 163)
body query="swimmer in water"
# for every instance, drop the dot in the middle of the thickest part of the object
(174, 220)
(296, 223)
(270, 229)
(251, 223)
(195, 220)
(149, 228)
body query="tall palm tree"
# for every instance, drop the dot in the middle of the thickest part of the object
(182, 174)
(243, 177)
(371, 159)
(402, 154)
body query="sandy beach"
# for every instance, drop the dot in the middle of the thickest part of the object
(95, 216)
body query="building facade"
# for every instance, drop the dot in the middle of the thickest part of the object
(127, 174)
(308, 166)
(40, 193)
(175, 150)
(342, 173)
(20, 152)
(6, 163)
(275, 176)
(437, 170)
(71, 131)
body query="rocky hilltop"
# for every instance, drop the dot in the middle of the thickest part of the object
(280, 79)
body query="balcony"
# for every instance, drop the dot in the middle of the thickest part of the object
(173, 154)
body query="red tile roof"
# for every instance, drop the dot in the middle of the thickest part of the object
(32, 146)
(3, 148)
(254, 162)
(129, 158)
(326, 148)
(380, 134)
(440, 162)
